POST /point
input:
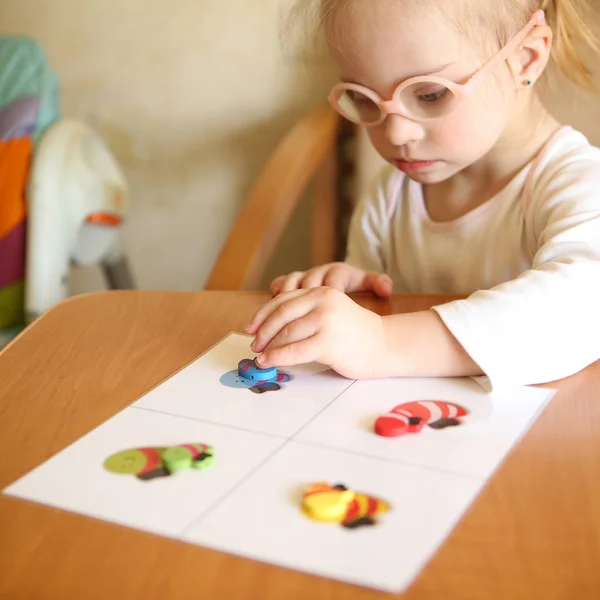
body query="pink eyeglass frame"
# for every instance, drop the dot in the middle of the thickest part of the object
(461, 91)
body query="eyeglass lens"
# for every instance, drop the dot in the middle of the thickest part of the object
(422, 100)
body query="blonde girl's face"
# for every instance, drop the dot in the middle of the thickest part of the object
(380, 43)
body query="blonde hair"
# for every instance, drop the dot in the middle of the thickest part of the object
(569, 20)
(570, 23)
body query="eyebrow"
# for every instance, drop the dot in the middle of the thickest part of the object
(441, 68)
(432, 72)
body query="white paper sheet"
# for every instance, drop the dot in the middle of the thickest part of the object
(269, 446)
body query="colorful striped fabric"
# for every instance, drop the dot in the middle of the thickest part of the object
(29, 100)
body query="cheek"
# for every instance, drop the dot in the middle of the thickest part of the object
(488, 113)
(377, 137)
(380, 141)
(473, 130)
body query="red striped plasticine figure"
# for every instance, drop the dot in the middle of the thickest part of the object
(411, 417)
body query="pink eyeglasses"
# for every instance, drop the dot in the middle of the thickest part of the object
(420, 98)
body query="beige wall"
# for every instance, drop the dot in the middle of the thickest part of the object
(191, 95)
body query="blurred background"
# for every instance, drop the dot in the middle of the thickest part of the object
(192, 96)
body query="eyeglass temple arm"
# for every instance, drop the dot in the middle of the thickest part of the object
(536, 20)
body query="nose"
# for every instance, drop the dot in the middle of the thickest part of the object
(400, 131)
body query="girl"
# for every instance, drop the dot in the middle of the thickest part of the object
(486, 195)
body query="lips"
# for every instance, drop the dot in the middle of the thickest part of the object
(414, 166)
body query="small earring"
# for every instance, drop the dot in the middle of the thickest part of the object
(527, 82)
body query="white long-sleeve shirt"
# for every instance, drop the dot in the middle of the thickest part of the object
(527, 260)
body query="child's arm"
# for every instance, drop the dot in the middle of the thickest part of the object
(545, 324)
(326, 326)
(539, 327)
(420, 345)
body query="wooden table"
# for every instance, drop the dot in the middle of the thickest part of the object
(534, 532)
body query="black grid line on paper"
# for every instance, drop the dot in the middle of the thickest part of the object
(286, 440)
(209, 422)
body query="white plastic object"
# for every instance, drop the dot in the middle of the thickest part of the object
(74, 179)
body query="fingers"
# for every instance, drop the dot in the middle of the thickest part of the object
(284, 323)
(276, 314)
(338, 276)
(276, 285)
(296, 353)
(287, 283)
(316, 277)
(378, 283)
(341, 277)
(349, 279)
(289, 334)
(335, 275)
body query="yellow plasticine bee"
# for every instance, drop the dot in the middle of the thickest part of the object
(338, 504)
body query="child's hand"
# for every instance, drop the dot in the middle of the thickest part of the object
(339, 276)
(322, 325)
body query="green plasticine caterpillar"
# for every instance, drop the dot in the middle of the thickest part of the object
(149, 463)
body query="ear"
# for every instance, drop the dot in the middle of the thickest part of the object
(528, 64)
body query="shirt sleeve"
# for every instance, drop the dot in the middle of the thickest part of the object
(368, 230)
(545, 324)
